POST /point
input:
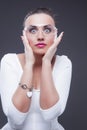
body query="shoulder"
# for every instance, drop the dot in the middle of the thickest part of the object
(62, 63)
(62, 68)
(63, 59)
(12, 60)
(8, 56)
(8, 59)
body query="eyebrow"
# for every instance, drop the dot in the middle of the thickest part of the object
(48, 25)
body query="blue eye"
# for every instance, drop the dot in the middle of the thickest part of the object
(33, 30)
(47, 30)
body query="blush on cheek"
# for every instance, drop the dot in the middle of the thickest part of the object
(29, 41)
(51, 42)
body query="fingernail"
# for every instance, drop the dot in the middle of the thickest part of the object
(62, 33)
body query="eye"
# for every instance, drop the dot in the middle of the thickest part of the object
(47, 30)
(32, 30)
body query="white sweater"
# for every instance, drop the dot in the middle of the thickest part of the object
(36, 118)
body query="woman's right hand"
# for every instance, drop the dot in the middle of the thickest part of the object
(29, 56)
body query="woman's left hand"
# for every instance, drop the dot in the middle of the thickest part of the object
(51, 51)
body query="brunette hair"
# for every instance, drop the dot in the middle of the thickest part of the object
(38, 11)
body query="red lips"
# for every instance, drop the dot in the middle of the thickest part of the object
(40, 45)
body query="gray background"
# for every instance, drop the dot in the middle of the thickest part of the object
(72, 19)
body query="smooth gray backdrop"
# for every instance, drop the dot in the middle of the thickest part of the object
(72, 19)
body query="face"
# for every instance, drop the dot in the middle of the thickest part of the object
(40, 31)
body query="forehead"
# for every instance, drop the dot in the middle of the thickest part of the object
(39, 19)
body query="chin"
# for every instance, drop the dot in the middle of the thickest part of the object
(40, 52)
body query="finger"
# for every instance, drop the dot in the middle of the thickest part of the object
(25, 37)
(59, 38)
(52, 49)
(50, 54)
(24, 43)
(25, 40)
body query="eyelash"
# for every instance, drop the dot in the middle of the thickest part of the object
(31, 29)
(47, 28)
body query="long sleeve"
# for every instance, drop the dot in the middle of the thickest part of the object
(9, 79)
(10, 74)
(62, 73)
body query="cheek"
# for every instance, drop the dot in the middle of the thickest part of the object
(50, 41)
(30, 40)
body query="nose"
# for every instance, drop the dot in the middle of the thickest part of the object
(40, 36)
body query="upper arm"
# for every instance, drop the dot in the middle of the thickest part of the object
(62, 81)
(8, 82)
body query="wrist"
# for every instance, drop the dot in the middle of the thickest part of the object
(25, 87)
(46, 63)
(28, 66)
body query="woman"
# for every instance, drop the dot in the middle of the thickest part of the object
(35, 85)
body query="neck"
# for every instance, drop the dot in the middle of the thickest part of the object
(38, 59)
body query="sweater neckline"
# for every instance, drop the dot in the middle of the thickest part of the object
(20, 66)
